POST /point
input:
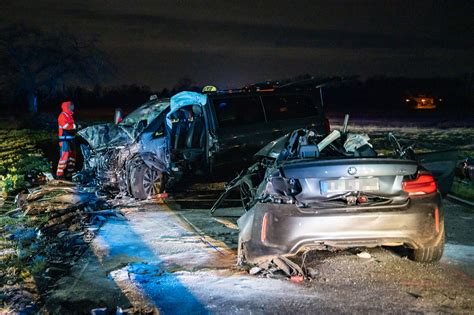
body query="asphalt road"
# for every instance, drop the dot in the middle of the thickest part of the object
(183, 261)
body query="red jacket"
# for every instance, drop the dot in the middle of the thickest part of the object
(66, 125)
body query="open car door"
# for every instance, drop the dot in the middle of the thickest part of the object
(442, 165)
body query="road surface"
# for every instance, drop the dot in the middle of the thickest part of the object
(183, 261)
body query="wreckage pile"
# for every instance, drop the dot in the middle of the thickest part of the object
(59, 207)
(45, 235)
(279, 267)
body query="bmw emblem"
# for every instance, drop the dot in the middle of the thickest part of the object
(352, 170)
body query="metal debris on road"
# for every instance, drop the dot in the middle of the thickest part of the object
(278, 267)
(53, 225)
(364, 255)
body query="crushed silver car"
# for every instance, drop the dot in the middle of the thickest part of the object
(308, 191)
(114, 154)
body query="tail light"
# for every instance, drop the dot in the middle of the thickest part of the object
(327, 126)
(263, 234)
(423, 184)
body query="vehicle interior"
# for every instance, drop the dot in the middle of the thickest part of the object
(188, 136)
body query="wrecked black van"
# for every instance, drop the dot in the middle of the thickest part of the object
(192, 134)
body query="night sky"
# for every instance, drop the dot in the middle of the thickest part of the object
(232, 43)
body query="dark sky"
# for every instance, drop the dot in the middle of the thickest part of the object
(231, 43)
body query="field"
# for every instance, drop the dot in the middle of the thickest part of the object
(19, 154)
(425, 139)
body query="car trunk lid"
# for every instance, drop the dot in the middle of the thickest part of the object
(352, 181)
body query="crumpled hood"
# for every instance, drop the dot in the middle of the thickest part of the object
(105, 135)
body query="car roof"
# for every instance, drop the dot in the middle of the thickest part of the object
(308, 85)
(261, 92)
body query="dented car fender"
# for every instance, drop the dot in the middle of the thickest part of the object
(152, 161)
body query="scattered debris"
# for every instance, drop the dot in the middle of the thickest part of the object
(51, 227)
(99, 311)
(415, 295)
(364, 255)
(254, 270)
(297, 279)
(35, 178)
(279, 267)
(160, 198)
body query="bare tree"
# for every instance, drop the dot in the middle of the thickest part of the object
(32, 61)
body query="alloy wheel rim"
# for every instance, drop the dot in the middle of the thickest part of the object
(151, 182)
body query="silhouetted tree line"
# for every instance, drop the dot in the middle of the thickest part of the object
(34, 63)
(39, 70)
(104, 99)
(374, 95)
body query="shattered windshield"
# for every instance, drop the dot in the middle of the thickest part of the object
(148, 111)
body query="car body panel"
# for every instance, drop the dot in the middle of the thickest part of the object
(294, 211)
(239, 142)
(290, 230)
(149, 129)
(442, 165)
(105, 135)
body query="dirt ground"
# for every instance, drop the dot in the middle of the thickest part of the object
(171, 260)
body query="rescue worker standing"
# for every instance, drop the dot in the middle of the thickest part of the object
(66, 132)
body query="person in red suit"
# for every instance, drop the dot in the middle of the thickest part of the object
(67, 133)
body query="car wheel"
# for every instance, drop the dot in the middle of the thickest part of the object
(145, 181)
(428, 254)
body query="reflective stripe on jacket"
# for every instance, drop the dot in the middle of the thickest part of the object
(66, 126)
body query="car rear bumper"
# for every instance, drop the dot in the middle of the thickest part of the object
(279, 229)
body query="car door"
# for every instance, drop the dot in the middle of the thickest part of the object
(442, 165)
(240, 129)
(286, 112)
(154, 141)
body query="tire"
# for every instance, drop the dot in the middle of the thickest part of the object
(145, 182)
(428, 254)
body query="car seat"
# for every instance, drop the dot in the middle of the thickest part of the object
(179, 121)
(195, 136)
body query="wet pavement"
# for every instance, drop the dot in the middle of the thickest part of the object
(171, 260)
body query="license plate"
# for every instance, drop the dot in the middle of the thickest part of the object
(354, 184)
